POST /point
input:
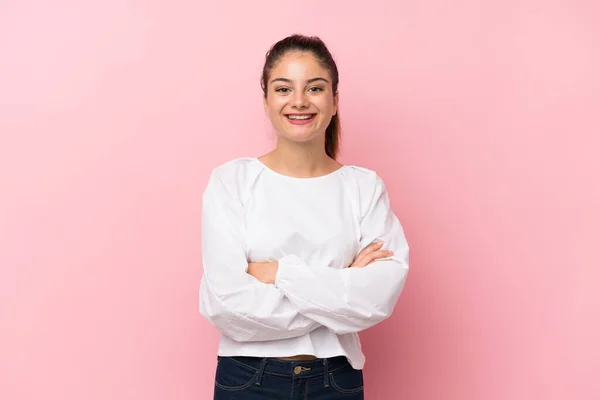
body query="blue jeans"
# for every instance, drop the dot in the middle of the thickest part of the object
(254, 378)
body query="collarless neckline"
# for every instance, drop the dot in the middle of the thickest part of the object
(294, 178)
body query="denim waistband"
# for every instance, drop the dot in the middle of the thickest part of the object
(292, 368)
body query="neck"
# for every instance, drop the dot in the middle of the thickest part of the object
(300, 160)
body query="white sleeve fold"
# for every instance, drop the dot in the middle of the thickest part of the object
(352, 299)
(233, 301)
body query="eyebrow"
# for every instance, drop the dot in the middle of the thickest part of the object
(290, 81)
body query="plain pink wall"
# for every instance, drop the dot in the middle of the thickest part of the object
(482, 117)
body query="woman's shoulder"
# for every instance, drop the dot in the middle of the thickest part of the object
(361, 170)
(236, 169)
(235, 176)
(365, 177)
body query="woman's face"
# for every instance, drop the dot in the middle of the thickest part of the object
(300, 101)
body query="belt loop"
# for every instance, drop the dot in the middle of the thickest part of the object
(261, 371)
(326, 372)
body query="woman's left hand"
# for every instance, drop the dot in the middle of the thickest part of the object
(263, 271)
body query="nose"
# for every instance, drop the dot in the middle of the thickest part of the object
(300, 100)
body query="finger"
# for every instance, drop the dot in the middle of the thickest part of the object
(376, 255)
(370, 248)
(375, 245)
(362, 259)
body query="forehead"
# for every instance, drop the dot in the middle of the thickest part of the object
(298, 66)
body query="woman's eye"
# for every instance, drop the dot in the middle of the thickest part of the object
(316, 89)
(282, 90)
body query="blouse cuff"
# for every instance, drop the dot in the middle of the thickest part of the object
(286, 268)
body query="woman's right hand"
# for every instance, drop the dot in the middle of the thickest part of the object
(369, 254)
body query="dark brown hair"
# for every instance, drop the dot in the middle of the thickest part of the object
(317, 48)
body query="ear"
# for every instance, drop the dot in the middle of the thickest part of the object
(336, 100)
(265, 102)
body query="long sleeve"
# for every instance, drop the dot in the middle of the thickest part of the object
(352, 299)
(236, 303)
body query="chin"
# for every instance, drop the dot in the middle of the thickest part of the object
(302, 136)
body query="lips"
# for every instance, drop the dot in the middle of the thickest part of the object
(300, 119)
(300, 116)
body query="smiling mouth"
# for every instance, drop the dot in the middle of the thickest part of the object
(300, 117)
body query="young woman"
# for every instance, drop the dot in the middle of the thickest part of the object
(300, 252)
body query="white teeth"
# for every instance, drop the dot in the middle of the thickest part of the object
(300, 116)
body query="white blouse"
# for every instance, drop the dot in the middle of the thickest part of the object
(314, 228)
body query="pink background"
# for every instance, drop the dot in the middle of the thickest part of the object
(482, 117)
